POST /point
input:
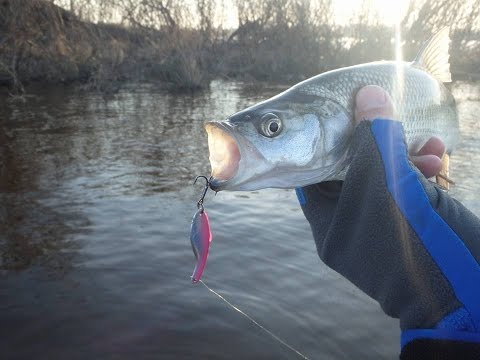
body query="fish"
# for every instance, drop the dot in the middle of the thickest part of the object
(302, 135)
(200, 237)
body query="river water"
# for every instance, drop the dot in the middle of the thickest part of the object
(96, 203)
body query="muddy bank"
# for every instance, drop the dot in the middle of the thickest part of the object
(46, 43)
(42, 42)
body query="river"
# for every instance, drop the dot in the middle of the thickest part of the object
(95, 260)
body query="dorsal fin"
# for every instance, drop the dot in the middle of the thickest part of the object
(433, 57)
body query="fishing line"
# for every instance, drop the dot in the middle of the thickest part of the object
(253, 321)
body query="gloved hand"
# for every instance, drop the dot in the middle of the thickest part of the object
(400, 238)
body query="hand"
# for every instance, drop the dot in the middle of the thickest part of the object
(374, 102)
(399, 238)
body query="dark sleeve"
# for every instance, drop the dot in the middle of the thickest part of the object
(399, 238)
(432, 349)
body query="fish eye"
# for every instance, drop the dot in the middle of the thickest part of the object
(271, 125)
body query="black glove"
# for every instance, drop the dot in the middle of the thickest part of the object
(404, 242)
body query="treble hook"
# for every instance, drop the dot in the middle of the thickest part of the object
(207, 185)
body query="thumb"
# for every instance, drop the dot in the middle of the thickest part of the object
(373, 102)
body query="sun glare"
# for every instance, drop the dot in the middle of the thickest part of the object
(388, 11)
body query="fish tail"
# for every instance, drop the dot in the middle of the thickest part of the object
(434, 56)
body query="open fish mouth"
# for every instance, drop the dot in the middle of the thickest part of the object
(224, 154)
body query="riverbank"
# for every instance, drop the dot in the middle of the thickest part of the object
(44, 43)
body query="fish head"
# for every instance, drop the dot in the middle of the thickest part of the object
(293, 139)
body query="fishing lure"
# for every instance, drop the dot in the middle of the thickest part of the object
(200, 237)
(200, 234)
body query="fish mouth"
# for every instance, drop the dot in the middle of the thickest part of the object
(224, 153)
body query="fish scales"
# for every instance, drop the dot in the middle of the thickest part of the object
(302, 136)
(422, 116)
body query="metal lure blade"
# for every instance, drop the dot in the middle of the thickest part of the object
(200, 237)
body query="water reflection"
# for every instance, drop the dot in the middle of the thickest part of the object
(466, 158)
(99, 192)
(35, 234)
(63, 148)
(31, 232)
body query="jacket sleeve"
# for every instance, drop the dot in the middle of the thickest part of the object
(400, 239)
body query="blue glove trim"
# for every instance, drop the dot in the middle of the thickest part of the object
(438, 334)
(459, 319)
(300, 196)
(449, 253)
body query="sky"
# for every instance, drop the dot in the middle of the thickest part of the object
(390, 12)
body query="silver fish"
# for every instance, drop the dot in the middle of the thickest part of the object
(302, 135)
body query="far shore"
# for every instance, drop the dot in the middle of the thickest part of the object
(47, 44)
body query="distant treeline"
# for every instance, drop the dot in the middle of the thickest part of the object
(185, 44)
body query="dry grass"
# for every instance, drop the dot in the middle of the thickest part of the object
(283, 40)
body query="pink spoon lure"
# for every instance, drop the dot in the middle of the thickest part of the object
(200, 237)
(200, 234)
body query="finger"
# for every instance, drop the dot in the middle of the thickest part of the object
(428, 158)
(373, 102)
(429, 165)
(434, 146)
